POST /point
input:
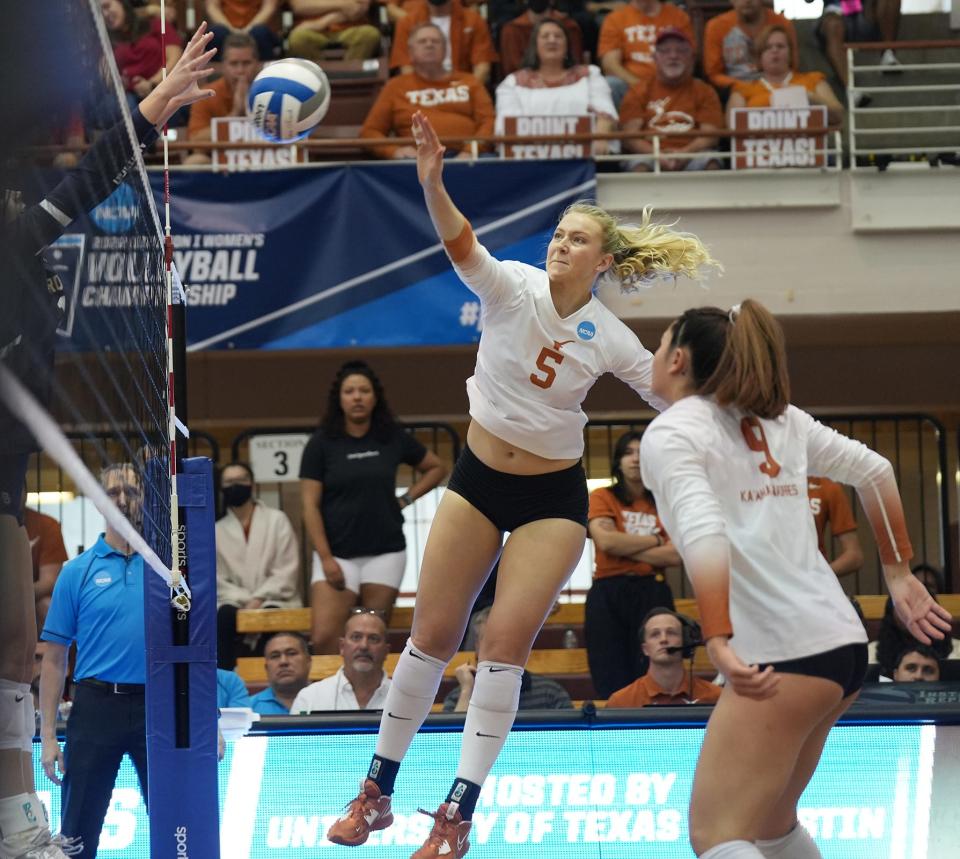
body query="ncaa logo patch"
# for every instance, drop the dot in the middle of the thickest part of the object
(586, 330)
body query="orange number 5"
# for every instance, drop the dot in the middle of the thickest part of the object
(756, 440)
(549, 373)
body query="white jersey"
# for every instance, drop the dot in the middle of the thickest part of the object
(715, 472)
(534, 368)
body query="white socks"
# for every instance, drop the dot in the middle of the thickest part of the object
(413, 687)
(16, 730)
(797, 844)
(733, 850)
(490, 715)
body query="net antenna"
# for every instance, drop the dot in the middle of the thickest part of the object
(173, 424)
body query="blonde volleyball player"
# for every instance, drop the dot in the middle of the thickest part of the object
(545, 341)
(728, 464)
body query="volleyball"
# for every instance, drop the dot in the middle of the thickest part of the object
(288, 99)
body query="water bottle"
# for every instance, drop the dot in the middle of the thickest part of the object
(570, 639)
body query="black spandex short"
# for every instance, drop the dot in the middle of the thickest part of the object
(13, 473)
(845, 666)
(512, 500)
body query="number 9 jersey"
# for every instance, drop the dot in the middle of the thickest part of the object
(534, 367)
(717, 472)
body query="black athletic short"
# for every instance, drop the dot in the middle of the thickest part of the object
(845, 666)
(512, 500)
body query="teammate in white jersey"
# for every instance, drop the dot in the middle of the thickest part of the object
(728, 464)
(545, 341)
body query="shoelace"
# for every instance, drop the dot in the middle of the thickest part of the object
(440, 823)
(67, 846)
(364, 801)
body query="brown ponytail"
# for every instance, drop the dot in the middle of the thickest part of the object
(752, 371)
(738, 356)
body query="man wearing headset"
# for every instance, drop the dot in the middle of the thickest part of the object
(666, 681)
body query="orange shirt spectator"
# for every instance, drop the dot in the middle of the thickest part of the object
(775, 58)
(645, 691)
(457, 106)
(673, 100)
(628, 36)
(829, 505)
(48, 554)
(241, 13)
(515, 36)
(728, 54)
(640, 517)
(470, 46)
(685, 107)
(757, 93)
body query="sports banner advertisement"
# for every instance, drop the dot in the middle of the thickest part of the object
(338, 257)
(560, 793)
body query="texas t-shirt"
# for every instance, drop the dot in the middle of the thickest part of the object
(359, 502)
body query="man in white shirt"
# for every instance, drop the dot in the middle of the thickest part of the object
(360, 683)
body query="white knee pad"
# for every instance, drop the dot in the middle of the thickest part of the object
(796, 844)
(14, 728)
(733, 850)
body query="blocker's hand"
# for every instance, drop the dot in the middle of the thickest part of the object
(182, 83)
(429, 151)
(746, 680)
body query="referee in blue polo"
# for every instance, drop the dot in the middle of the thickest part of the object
(97, 603)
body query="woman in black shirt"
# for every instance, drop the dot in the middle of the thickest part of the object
(350, 507)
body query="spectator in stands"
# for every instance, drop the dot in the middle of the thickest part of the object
(456, 102)
(627, 39)
(728, 42)
(231, 690)
(917, 663)
(467, 43)
(240, 66)
(893, 638)
(551, 84)
(667, 681)
(138, 50)
(848, 22)
(321, 24)
(829, 505)
(517, 36)
(255, 18)
(931, 577)
(360, 683)
(631, 552)
(287, 660)
(536, 693)
(350, 508)
(673, 100)
(258, 564)
(48, 554)
(775, 61)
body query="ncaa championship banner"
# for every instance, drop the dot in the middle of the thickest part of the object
(294, 259)
(603, 793)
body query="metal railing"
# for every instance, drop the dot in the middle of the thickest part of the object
(930, 99)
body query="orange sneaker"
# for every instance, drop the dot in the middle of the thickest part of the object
(448, 838)
(367, 813)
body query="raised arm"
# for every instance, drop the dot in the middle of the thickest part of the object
(447, 219)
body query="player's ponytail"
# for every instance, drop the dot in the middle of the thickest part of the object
(739, 357)
(646, 251)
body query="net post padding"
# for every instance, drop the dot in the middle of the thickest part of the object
(183, 781)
